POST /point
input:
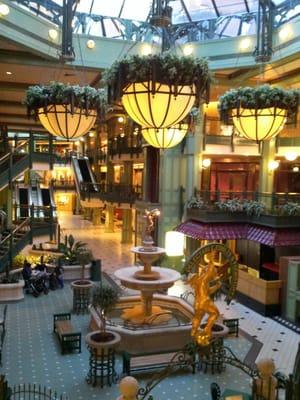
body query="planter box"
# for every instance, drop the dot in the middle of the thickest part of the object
(73, 272)
(11, 291)
(214, 216)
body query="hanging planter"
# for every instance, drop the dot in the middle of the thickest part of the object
(259, 113)
(64, 110)
(158, 91)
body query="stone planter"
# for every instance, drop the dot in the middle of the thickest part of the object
(73, 272)
(100, 346)
(11, 291)
(82, 291)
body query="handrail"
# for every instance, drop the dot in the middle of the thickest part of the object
(18, 228)
(6, 156)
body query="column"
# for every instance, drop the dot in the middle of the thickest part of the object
(266, 176)
(127, 226)
(109, 218)
(96, 217)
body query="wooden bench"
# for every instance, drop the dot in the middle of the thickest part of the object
(70, 340)
(154, 360)
(233, 325)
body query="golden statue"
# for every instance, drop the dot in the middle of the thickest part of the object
(205, 283)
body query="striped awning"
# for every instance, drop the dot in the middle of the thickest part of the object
(198, 230)
(261, 234)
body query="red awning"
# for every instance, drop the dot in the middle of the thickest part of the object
(198, 230)
(264, 235)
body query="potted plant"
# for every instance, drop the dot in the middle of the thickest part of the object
(104, 298)
(65, 110)
(172, 84)
(259, 113)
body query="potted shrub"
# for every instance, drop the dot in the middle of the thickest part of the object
(64, 110)
(259, 113)
(104, 298)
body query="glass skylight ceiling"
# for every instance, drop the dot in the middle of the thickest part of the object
(129, 19)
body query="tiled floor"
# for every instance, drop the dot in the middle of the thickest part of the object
(31, 353)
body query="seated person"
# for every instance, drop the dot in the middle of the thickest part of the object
(59, 274)
(27, 271)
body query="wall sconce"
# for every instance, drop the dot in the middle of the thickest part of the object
(90, 44)
(296, 169)
(273, 164)
(206, 163)
(174, 243)
(4, 10)
(53, 34)
(291, 155)
(121, 120)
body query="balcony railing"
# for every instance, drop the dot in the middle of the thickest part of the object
(113, 192)
(269, 209)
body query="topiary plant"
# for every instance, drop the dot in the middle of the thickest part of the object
(104, 298)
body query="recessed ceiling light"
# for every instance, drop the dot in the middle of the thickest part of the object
(8, 73)
(188, 50)
(52, 33)
(90, 44)
(4, 10)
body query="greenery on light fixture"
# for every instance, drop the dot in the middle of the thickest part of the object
(259, 97)
(165, 68)
(83, 97)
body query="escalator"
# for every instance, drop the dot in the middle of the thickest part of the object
(84, 175)
(47, 201)
(24, 202)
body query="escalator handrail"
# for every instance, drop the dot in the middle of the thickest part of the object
(6, 156)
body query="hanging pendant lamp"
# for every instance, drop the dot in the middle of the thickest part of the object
(259, 113)
(61, 121)
(65, 111)
(165, 138)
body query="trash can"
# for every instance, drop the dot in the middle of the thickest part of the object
(96, 270)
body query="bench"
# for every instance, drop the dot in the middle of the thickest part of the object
(70, 340)
(154, 360)
(233, 325)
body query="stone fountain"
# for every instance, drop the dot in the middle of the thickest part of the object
(147, 279)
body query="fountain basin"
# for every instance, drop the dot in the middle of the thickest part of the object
(170, 335)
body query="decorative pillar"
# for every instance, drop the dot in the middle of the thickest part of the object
(96, 217)
(127, 226)
(151, 175)
(266, 177)
(109, 218)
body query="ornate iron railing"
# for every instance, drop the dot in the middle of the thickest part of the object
(112, 192)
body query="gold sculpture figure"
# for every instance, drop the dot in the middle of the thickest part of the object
(205, 283)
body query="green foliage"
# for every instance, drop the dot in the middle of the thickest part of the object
(87, 97)
(165, 68)
(195, 202)
(104, 298)
(250, 207)
(259, 97)
(71, 250)
(290, 209)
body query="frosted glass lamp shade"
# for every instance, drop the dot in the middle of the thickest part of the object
(165, 138)
(174, 244)
(158, 105)
(259, 124)
(61, 121)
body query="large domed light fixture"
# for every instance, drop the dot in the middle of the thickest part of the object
(259, 124)
(65, 111)
(165, 138)
(159, 91)
(159, 108)
(259, 113)
(61, 121)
